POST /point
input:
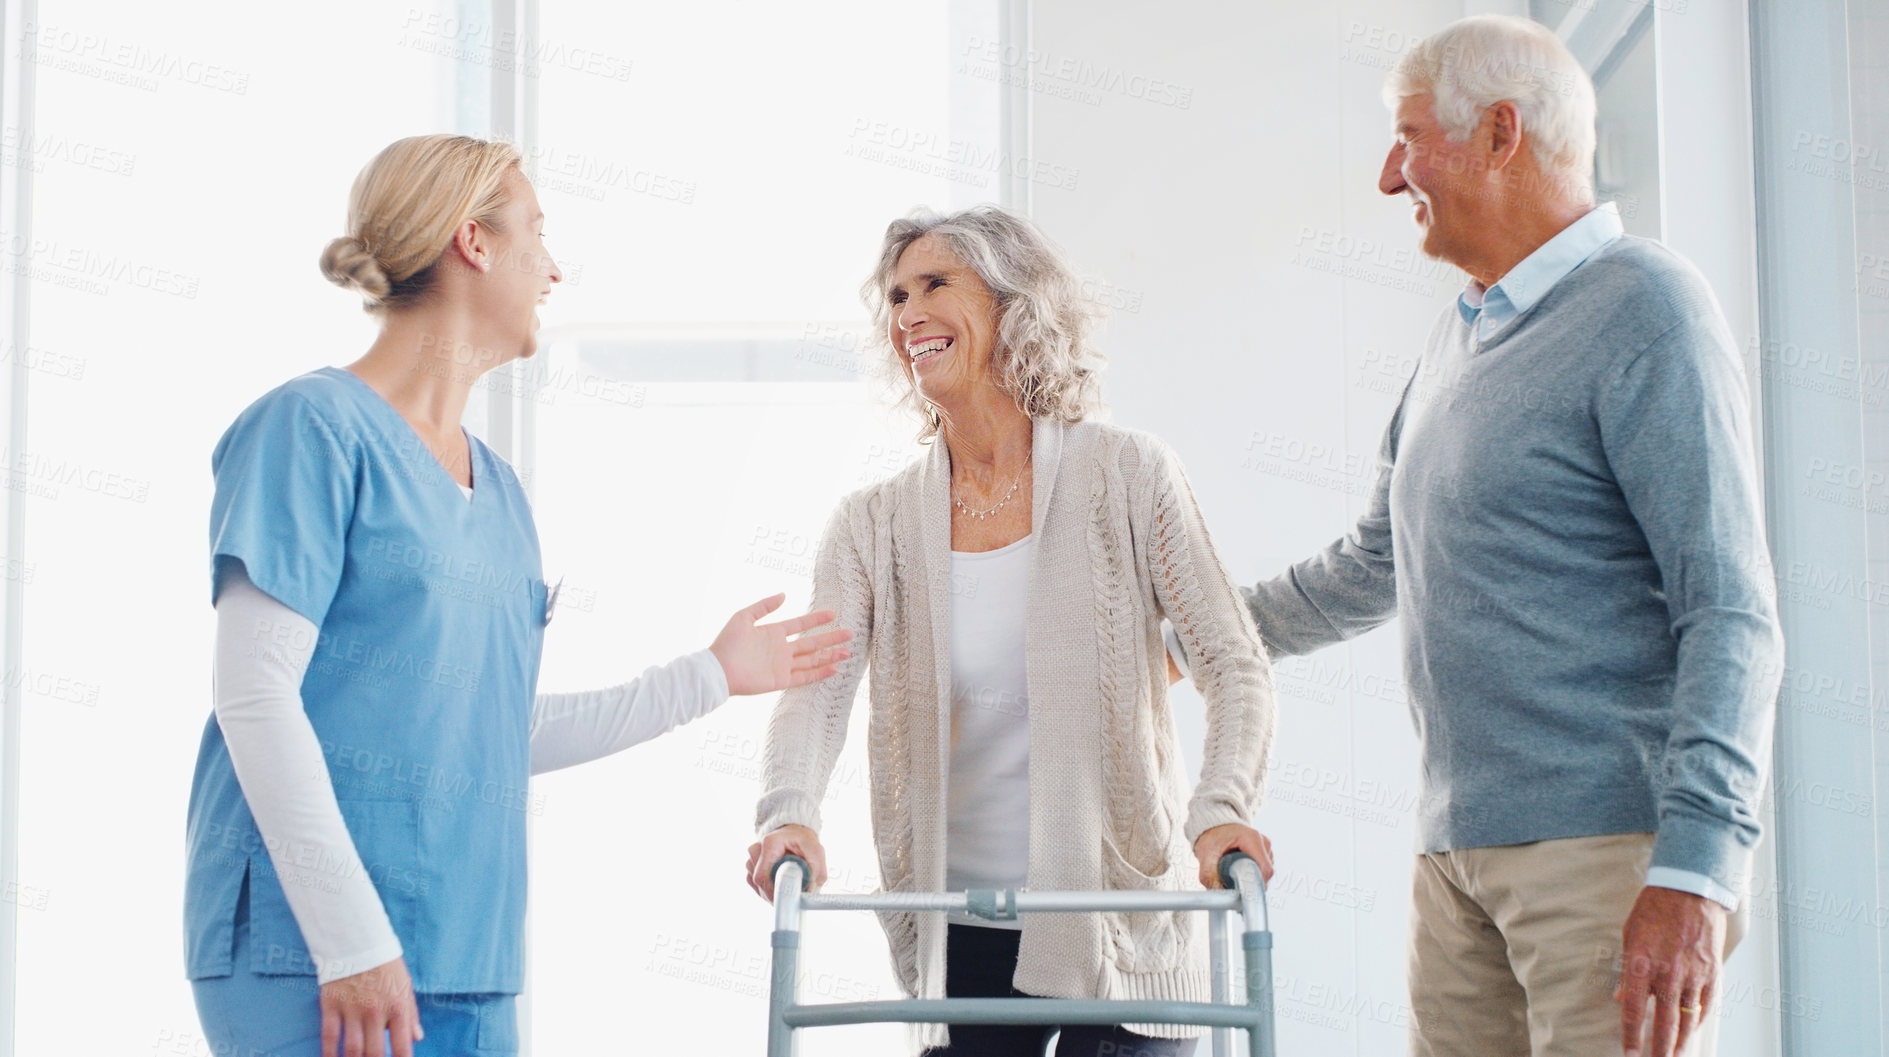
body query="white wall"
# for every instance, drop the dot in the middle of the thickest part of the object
(1707, 212)
(1223, 229)
(1267, 304)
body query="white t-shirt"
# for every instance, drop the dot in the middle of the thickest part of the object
(987, 826)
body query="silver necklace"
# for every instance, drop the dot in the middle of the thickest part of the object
(979, 515)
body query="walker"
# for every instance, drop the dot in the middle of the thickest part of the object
(1244, 892)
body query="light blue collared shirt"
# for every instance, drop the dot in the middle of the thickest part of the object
(1490, 310)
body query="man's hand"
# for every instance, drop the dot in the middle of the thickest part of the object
(1230, 836)
(1669, 952)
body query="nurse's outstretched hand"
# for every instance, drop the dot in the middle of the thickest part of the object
(358, 1011)
(760, 658)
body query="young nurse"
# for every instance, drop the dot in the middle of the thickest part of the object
(356, 841)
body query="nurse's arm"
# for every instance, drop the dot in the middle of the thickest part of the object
(747, 658)
(262, 650)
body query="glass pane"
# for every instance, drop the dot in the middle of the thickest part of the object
(189, 170)
(747, 176)
(1626, 127)
(1869, 175)
(716, 202)
(664, 516)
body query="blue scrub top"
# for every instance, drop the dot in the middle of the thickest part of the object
(430, 609)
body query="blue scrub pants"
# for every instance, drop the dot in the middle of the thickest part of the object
(247, 1014)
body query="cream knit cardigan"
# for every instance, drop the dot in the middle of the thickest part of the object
(1120, 544)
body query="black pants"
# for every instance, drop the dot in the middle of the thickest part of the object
(979, 963)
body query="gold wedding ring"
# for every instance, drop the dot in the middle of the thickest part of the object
(1688, 1009)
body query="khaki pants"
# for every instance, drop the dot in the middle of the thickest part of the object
(1515, 951)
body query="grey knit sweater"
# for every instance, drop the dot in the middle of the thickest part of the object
(1119, 545)
(1566, 517)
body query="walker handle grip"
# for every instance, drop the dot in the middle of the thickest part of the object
(806, 871)
(1227, 862)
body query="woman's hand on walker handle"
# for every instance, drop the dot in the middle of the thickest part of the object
(358, 1011)
(761, 658)
(787, 840)
(1231, 836)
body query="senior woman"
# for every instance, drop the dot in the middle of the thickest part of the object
(1008, 590)
(356, 843)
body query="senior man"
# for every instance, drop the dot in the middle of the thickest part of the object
(1566, 517)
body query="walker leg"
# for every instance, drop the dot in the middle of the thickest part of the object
(1258, 949)
(1217, 944)
(783, 980)
(780, 994)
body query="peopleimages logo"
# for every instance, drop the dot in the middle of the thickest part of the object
(87, 269)
(124, 61)
(38, 473)
(1079, 79)
(590, 176)
(446, 566)
(363, 769)
(952, 157)
(360, 661)
(33, 152)
(470, 40)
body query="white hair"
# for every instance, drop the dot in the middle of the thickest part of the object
(1476, 62)
(1044, 359)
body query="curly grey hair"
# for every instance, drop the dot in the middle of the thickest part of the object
(1043, 359)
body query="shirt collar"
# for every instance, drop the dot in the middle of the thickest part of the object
(1529, 281)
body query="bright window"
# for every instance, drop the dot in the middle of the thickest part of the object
(704, 401)
(187, 173)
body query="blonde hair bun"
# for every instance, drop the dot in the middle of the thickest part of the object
(349, 264)
(404, 208)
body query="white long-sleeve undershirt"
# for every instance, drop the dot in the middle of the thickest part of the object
(262, 650)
